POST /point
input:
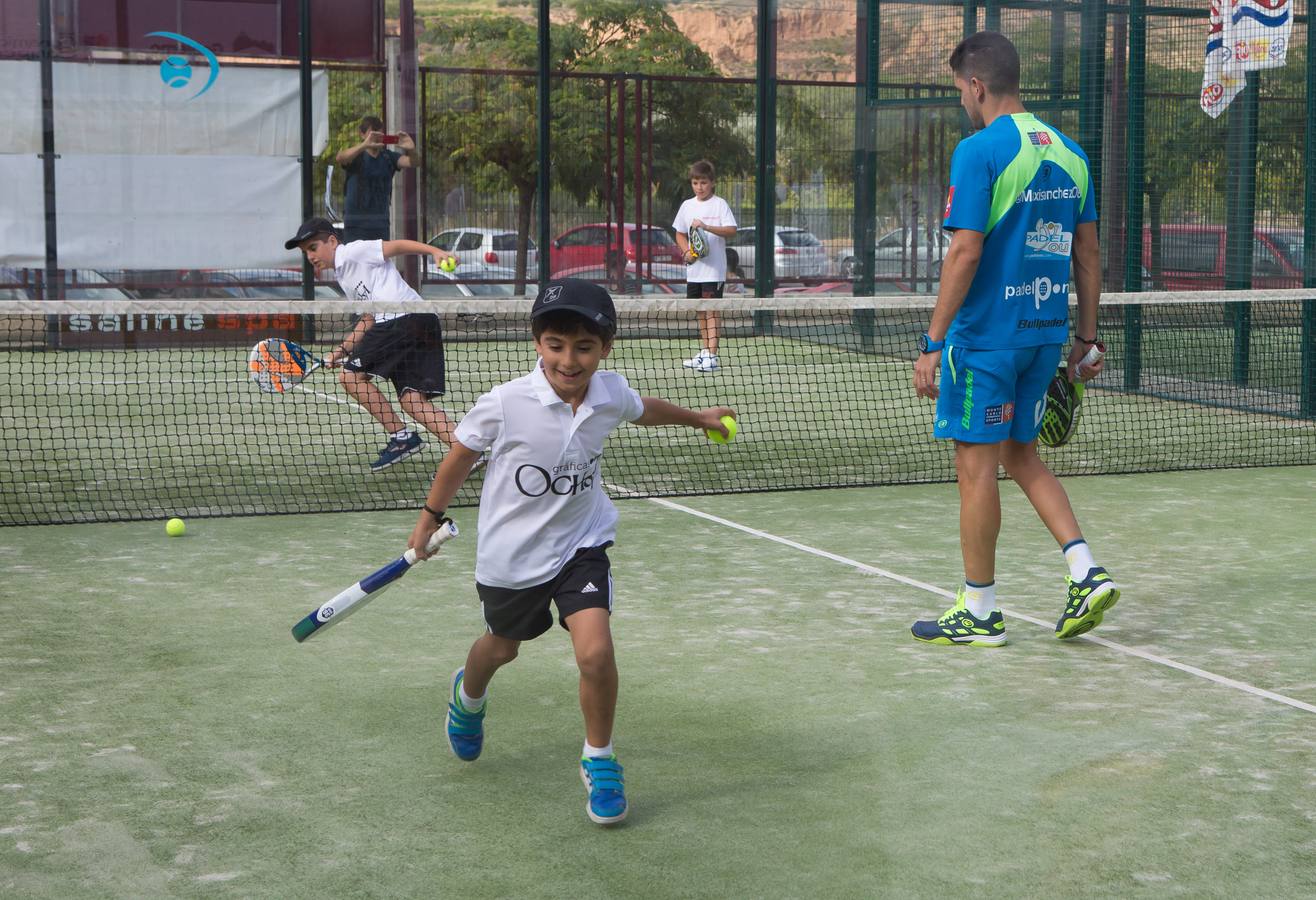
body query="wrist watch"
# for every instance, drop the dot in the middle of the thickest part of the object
(927, 345)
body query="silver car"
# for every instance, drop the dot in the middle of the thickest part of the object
(489, 246)
(797, 254)
(899, 254)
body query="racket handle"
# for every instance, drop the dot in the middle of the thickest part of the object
(447, 531)
(1093, 356)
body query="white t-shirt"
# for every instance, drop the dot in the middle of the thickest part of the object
(364, 274)
(713, 211)
(543, 496)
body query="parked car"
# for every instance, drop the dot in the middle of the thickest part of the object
(1193, 257)
(900, 254)
(474, 280)
(659, 278)
(493, 246)
(219, 284)
(589, 245)
(797, 254)
(79, 284)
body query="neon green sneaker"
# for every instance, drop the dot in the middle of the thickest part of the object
(959, 626)
(1088, 599)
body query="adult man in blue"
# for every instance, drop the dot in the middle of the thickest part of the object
(1021, 209)
(370, 167)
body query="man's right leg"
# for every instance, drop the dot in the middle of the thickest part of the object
(1091, 591)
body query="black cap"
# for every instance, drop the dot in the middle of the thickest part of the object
(310, 228)
(585, 297)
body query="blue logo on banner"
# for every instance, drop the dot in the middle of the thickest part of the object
(176, 71)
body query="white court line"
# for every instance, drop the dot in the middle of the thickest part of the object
(924, 586)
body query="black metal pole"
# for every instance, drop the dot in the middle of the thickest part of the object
(308, 141)
(868, 73)
(407, 116)
(52, 289)
(765, 141)
(545, 235)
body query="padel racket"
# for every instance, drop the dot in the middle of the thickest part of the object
(1064, 400)
(278, 365)
(698, 243)
(368, 588)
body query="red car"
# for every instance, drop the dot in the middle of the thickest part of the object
(589, 245)
(1193, 258)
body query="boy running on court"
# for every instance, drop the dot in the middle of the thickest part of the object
(406, 349)
(545, 522)
(1021, 207)
(706, 274)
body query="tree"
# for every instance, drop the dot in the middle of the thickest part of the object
(485, 126)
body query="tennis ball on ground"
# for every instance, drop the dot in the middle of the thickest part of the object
(449, 265)
(175, 527)
(732, 428)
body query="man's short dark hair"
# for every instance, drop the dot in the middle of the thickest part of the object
(702, 169)
(569, 322)
(371, 123)
(991, 58)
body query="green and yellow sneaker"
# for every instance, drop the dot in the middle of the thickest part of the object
(959, 626)
(1088, 599)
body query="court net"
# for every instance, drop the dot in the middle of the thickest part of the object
(138, 410)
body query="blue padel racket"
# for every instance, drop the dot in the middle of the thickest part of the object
(368, 588)
(278, 365)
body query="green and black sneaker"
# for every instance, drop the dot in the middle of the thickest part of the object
(959, 626)
(1088, 599)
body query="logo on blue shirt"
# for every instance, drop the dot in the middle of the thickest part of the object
(1048, 240)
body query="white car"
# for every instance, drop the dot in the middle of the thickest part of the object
(491, 246)
(474, 280)
(894, 257)
(798, 253)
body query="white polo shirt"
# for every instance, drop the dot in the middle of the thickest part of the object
(713, 211)
(543, 496)
(364, 274)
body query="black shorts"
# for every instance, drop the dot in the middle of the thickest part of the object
(522, 614)
(408, 351)
(699, 290)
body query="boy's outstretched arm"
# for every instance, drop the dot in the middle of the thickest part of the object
(401, 248)
(450, 476)
(660, 412)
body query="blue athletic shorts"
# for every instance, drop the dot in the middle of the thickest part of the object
(988, 396)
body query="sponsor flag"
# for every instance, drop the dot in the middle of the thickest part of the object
(1243, 35)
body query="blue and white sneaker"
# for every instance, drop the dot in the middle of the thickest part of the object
(1086, 602)
(959, 626)
(607, 792)
(465, 728)
(397, 450)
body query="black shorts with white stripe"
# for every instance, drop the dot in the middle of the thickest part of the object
(522, 614)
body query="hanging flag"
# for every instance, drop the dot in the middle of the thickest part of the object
(1243, 35)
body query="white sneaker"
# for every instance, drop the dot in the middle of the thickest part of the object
(697, 360)
(708, 364)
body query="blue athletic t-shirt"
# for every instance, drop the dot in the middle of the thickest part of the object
(1025, 186)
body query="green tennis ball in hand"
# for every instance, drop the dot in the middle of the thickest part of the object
(449, 264)
(717, 438)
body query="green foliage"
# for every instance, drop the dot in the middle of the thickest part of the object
(483, 129)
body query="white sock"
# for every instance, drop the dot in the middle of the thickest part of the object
(597, 752)
(472, 704)
(402, 435)
(1079, 556)
(980, 598)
